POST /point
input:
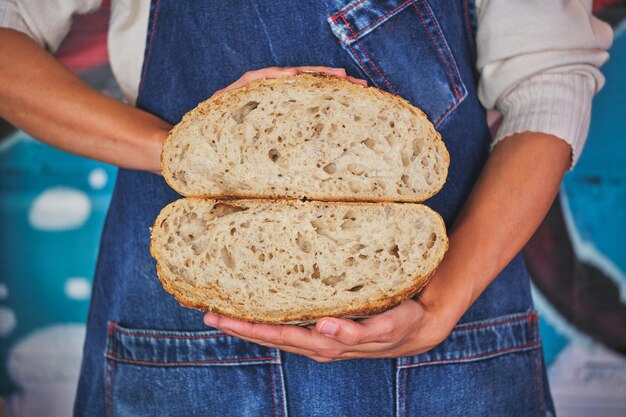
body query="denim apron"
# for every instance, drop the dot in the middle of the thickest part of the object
(145, 355)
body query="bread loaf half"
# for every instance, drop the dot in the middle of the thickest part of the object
(289, 261)
(311, 136)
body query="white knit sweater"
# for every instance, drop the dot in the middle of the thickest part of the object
(538, 59)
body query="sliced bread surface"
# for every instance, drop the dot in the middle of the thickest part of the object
(311, 136)
(288, 261)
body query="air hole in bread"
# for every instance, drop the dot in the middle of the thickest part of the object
(253, 249)
(356, 169)
(363, 256)
(333, 280)
(223, 209)
(357, 118)
(240, 114)
(394, 251)
(356, 288)
(348, 225)
(199, 246)
(431, 240)
(355, 188)
(391, 140)
(312, 110)
(318, 128)
(330, 168)
(304, 245)
(273, 154)
(416, 148)
(227, 258)
(405, 180)
(232, 231)
(369, 143)
(269, 129)
(349, 261)
(262, 257)
(406, 161)
(316, 272)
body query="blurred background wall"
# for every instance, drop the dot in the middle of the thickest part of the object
(52, 208)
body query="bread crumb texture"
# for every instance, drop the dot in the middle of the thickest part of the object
(306, 136)
(278, 261)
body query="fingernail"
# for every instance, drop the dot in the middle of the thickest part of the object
(329, 328)
(209, 320)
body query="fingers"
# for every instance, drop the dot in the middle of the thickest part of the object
(271, 335)
(294, 339)
(385, 328)
(357, 81)
(337, 72)
(275, 72)
(265, 73)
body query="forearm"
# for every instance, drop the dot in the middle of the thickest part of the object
(44, 99)
(510, 199)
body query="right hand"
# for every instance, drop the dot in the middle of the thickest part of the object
(275, 72)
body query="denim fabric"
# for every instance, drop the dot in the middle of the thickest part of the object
(146, 355)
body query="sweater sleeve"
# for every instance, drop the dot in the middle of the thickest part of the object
(47, 22)
(538, 62)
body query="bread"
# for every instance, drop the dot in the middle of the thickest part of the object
(309, 135)
(303, 202)
(289, 261)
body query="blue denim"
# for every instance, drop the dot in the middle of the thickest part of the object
(146, 355)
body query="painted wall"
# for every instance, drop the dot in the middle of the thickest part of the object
(52, 207)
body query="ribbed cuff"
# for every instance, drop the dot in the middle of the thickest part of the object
(558, 104)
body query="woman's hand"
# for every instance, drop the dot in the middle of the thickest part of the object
(414, 327)
(409, 329)
(276, 72)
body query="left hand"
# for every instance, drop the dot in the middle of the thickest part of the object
(408, 329)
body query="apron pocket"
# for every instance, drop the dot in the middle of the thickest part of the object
(401, 48)
(155, 372)
(492, 367)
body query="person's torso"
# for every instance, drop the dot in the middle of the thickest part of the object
(421, 50)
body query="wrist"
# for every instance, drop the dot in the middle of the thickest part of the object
(458, 280)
